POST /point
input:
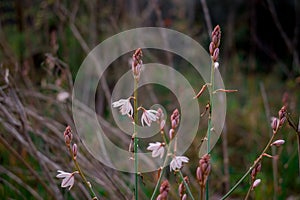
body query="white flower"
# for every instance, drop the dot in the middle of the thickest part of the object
(148, 117)
(157, 149)
(177, 161)
(62, 96)
(216, 65)
(125, 106)
(68, 178)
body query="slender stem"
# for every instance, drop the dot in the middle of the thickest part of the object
(161, 174)
(86, 182)
(135, 104)
(211, 96)
(249, 190)
(186, 185)
(298, 137)
(201, 192)
(250, 169)
(273, 148)
(297, 130)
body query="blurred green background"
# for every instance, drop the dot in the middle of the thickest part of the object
(43, 43)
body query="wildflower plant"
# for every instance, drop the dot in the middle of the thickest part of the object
(166, 148)
(68, 179)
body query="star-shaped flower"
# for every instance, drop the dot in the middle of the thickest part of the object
(177, 161)
(125, 106)
(68, 178)
(157, 149)
(148, 116)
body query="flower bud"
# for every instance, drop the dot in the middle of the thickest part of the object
(282, 112)
(215, 55)
(256, 183)
(203, 169)
(182, 189)
(67, 140)
(137, 63)
(211, 48)
(171, 134)
(163, 190)
(74, 149)
(162, 124)
(214, 39)
(282, 120)
(255, 171)
(278, 143)
(275, 124)
(175, 118)
(68, 135)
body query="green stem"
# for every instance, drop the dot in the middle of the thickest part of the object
(298, 139)
(250, 169)
(186, 185)
(249, 190)
(161, 174)
(209, 127)
(211, 96)
(135, 94)
(88, 184)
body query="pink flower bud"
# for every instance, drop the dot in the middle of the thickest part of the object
(215, 39)
(278, 143)
(282, 120)
(255, 171)
(163, 190)
(162, 124)
(174, 124)
(256, 183)
(171, 134)
(282, 112)
(67, 140)
(68, 135)
(215, 55)
(203, 169)
(74, 150)
(211, 48)
(275, 124)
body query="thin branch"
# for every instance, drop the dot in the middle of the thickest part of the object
(286, 39)
(273, 148)
(206, 16)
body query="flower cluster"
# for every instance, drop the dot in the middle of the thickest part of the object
(161, 118)
(68, 136)
(68, 178)
(163, 190)
(278, 122)
(203, 170)
(182, 189)
(174, 123)
(215, 43)
(137, 63)
(255, 171)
